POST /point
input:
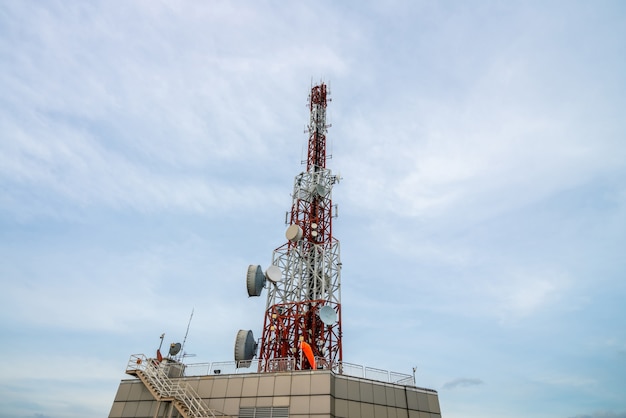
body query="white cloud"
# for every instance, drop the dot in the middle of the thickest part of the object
(462, 382)
(123, 123)
(71, 367)
(570, 380)
(524, 292)
(602, 414)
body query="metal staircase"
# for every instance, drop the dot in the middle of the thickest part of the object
(154, 376)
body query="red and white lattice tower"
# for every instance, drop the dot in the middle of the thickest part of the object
(302, 326)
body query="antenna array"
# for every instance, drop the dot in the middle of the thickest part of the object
(302, 324)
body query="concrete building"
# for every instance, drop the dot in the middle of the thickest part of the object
(296, 393)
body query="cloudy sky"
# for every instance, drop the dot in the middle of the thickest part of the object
(147, 155)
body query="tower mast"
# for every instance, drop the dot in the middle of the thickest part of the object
(302, 325)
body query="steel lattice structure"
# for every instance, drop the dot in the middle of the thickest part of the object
(310, 265)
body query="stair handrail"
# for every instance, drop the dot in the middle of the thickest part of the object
(165, 387)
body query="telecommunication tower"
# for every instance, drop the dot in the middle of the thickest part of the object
(302, 324)
(301, 331)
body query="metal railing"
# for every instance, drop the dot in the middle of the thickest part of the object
(287, 364)
(357, 370)
(155, 375)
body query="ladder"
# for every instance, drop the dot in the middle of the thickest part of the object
(154, 377)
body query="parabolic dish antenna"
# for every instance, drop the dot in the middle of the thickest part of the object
(327, 315)
(245, 345)
(274, 274)
(255, 280)
(294, 233)
(174, 349)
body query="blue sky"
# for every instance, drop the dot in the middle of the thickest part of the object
(147, 155)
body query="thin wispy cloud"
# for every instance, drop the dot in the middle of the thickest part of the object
(462, 382)
(602, 414)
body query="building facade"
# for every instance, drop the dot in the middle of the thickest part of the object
(301, 393)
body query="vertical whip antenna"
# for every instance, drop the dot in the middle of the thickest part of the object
(186, 333)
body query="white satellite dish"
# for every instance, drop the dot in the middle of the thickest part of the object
(274, 274)
(328, 315)
(294, 233)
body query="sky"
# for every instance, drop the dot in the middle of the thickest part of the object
(148, 151)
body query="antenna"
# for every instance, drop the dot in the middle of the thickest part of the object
(187, 332)
(303, 309)
(174, 349)
(274, 274)
(255, 280)
(245, 348)
(328, 315)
